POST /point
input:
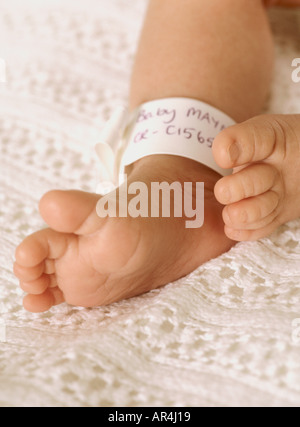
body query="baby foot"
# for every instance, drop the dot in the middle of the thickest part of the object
(263, 192)
(89, 261)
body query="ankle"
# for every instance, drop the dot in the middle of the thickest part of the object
(171, 168)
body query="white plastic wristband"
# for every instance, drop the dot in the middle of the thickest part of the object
(176, 126)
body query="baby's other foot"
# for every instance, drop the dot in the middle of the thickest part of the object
(89, 261)
(263, 192)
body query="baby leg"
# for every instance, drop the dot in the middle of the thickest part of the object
(217, 51)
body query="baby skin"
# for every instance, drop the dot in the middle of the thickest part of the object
(90, 261)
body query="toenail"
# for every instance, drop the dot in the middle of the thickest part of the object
(234, 152)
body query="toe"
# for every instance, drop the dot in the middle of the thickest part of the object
(30, 252)
(70, 211)
(36, 287)
(27, 274)
(251, 141)
(43, 302)
(248, 182)
(42, 245)
(250, 235)
(252, 213)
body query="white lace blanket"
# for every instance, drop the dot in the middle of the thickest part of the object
(222, 336)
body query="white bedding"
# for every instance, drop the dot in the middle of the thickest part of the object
(221, 336)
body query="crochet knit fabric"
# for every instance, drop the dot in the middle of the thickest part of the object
(226, 335)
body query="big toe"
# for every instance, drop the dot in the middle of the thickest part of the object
(251, 141)
(70, 211)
